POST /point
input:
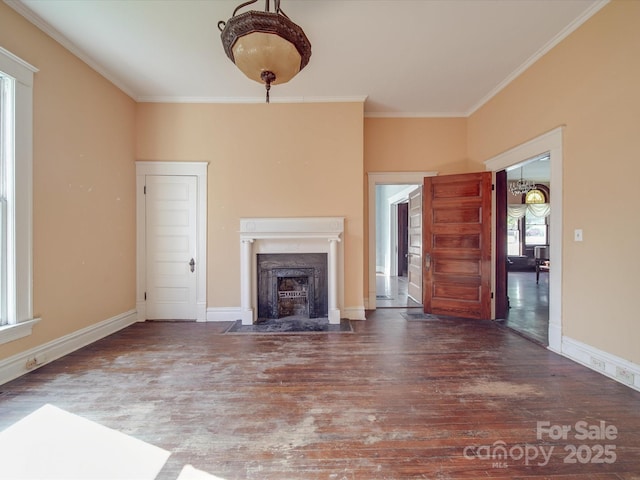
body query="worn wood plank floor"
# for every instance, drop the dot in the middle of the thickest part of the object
(397, 399)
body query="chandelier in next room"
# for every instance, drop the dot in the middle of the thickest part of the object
(520, 187)
(265, 45)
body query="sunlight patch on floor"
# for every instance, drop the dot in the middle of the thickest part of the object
(54, 444)
(190, 473)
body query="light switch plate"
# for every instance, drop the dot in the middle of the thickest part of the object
(577, 235)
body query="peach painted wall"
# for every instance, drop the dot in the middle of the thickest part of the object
(415, 144)
(412, 145)
(84, 189)
(276, 160)
(589, 83)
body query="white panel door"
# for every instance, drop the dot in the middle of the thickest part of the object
(171, 207)
(415, 245)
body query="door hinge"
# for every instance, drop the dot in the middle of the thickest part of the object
(491, 294)
(493, 187)
(145, 295)
(145, 190)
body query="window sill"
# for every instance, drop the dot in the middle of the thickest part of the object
(9, 333)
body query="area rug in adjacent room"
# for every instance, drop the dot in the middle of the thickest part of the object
(293, 325)
(419, 316)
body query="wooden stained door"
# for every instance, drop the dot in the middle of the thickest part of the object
(457, 245)
(415, 245)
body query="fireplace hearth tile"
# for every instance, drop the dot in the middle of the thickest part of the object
(289, 325)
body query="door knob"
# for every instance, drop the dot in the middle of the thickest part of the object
(192, 264)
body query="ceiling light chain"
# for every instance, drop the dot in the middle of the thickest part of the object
(266, 46)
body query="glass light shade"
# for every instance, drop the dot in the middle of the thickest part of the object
(257, 52)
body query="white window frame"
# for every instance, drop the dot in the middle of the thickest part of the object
(19, 185)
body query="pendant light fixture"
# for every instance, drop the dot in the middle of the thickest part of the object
(265, 45)
(522, 186)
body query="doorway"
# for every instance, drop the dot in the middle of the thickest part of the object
(388, 288)
(549, 143)
(189, 177)
(528, 217)
(395, 207)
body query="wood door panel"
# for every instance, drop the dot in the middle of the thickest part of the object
(456, 267)
(457, 245)
(456, 291)
(456, 241)
(457, 215)
(456, 190)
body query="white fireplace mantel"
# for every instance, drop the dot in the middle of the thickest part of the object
(291, 235)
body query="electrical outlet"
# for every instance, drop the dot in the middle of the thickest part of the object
(599, 364)
(624, 375)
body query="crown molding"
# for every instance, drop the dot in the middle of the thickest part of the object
(249, 100)
(573, 26)
(47, 28)
(415, 115)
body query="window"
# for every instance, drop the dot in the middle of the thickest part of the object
(535, 230)
(535, 196)
(535, 221)
(16, 133)
(528, 222)
(513, 236)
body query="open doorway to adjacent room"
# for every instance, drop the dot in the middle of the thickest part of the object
(528, 220)
(392, 253)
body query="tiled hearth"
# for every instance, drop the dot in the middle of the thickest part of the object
(291, 235)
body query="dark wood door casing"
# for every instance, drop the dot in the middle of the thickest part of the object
(502, 300)
(403, 233)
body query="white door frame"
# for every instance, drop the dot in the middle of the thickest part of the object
(196, 169)
(549, 142)
(384, 178)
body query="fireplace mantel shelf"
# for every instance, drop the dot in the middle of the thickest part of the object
(288, 235)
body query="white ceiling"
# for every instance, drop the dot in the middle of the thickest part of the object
(406, 57)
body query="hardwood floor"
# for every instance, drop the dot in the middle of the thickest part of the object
(529, 305)
(396, 399)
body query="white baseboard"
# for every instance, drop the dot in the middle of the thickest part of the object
(223, 314)
(614, 367)
(201, 312)
(29, 360)
(555, 338)
(353, 313)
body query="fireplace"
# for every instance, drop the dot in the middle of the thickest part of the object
(292, 284)
(303, 265)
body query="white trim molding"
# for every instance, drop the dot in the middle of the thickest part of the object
(614, 367)
(291, 235)
(384, 178)
(550, 142)
(24, 362)
(19, 209)
(9, 333)
(199, 170)
(354, 313)
(223, 314)
(564, 33)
